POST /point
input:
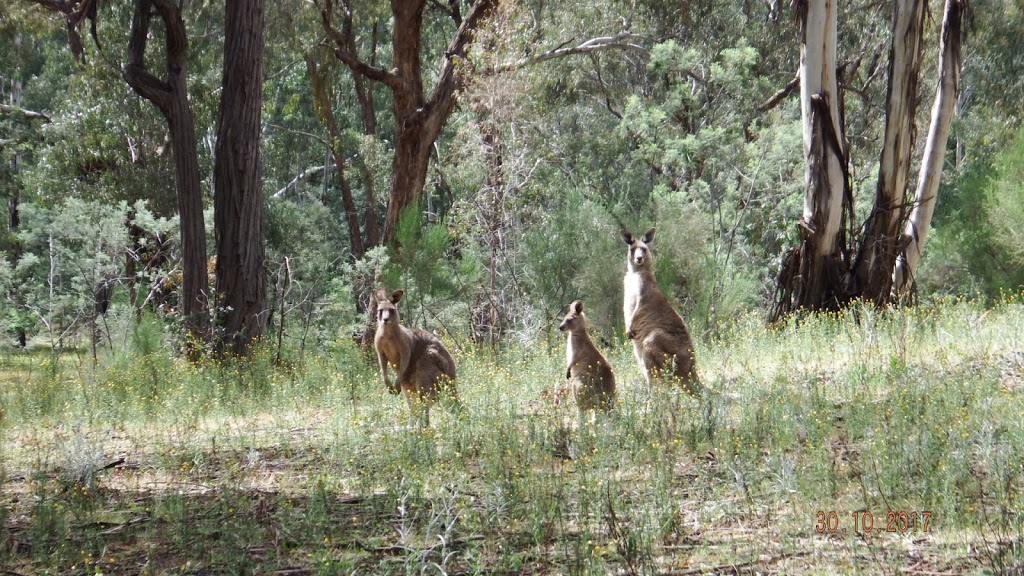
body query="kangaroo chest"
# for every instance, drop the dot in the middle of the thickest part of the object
(392, 346)
(633, 285)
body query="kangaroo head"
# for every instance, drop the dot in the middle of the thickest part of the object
(574, 319)
(387, 312)
(639, 253)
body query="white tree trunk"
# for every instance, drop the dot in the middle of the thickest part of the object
(915, 232)
(879, 248)
(823, 196)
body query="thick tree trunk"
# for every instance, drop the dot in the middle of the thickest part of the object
(811, 275)
(238, 198)
(915, 232)
(413, 141)
(408, 171)
(878, 247)
(170, 96)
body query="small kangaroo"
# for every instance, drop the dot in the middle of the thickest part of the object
(591, 376)
(661, 341)
(423, 366)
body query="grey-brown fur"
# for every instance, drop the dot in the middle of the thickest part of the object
(661, 341)
(423, 366)
(589, 372)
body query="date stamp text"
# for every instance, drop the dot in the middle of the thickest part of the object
(863, 521)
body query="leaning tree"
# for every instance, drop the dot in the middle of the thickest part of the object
(835, 263)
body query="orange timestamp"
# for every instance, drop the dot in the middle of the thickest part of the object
(896, 521)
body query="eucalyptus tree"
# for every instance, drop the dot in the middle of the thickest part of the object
(238, 196)
(829, 267)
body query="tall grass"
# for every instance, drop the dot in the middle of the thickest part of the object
(147, 462)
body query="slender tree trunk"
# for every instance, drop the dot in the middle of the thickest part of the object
(878, 247)
(238, 197)
(195, 278)
(323, 102)
(14, 206)
(170, 96)
(364, 93)
(915, 232)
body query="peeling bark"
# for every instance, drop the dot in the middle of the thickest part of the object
(915, 232)
(812, 275)
(878, 248)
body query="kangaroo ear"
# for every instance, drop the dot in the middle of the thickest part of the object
(649, 236)
(627, 237)
(576, 307)
(379, 294)
(396, 296)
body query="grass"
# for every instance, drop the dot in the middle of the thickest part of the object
(146, 463)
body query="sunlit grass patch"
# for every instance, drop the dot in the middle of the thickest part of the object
(222, 466)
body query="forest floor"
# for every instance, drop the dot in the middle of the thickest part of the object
(907, 422)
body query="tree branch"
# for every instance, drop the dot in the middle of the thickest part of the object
(622, 40)
(780, 95)
(441, 101)
(23, 113)
(304, 177)
(604, 88)
(135, 72)
(344, 44)
(452, 9)
(57, 5)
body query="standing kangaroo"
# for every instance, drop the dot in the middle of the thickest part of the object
(423, 366)
(591, 376)
(661, 341)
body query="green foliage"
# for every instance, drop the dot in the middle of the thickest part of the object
(1005, 201)
(977, 246)
(569, 256)
(419, 265)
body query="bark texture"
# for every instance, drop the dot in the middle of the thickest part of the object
(915, 231)
(878, 251)
(820, 274)
(170, 96)
(238, 199)
(812, 273)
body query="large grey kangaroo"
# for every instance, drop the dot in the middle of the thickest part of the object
(590, 374)
(423, 367)
(661, 341)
